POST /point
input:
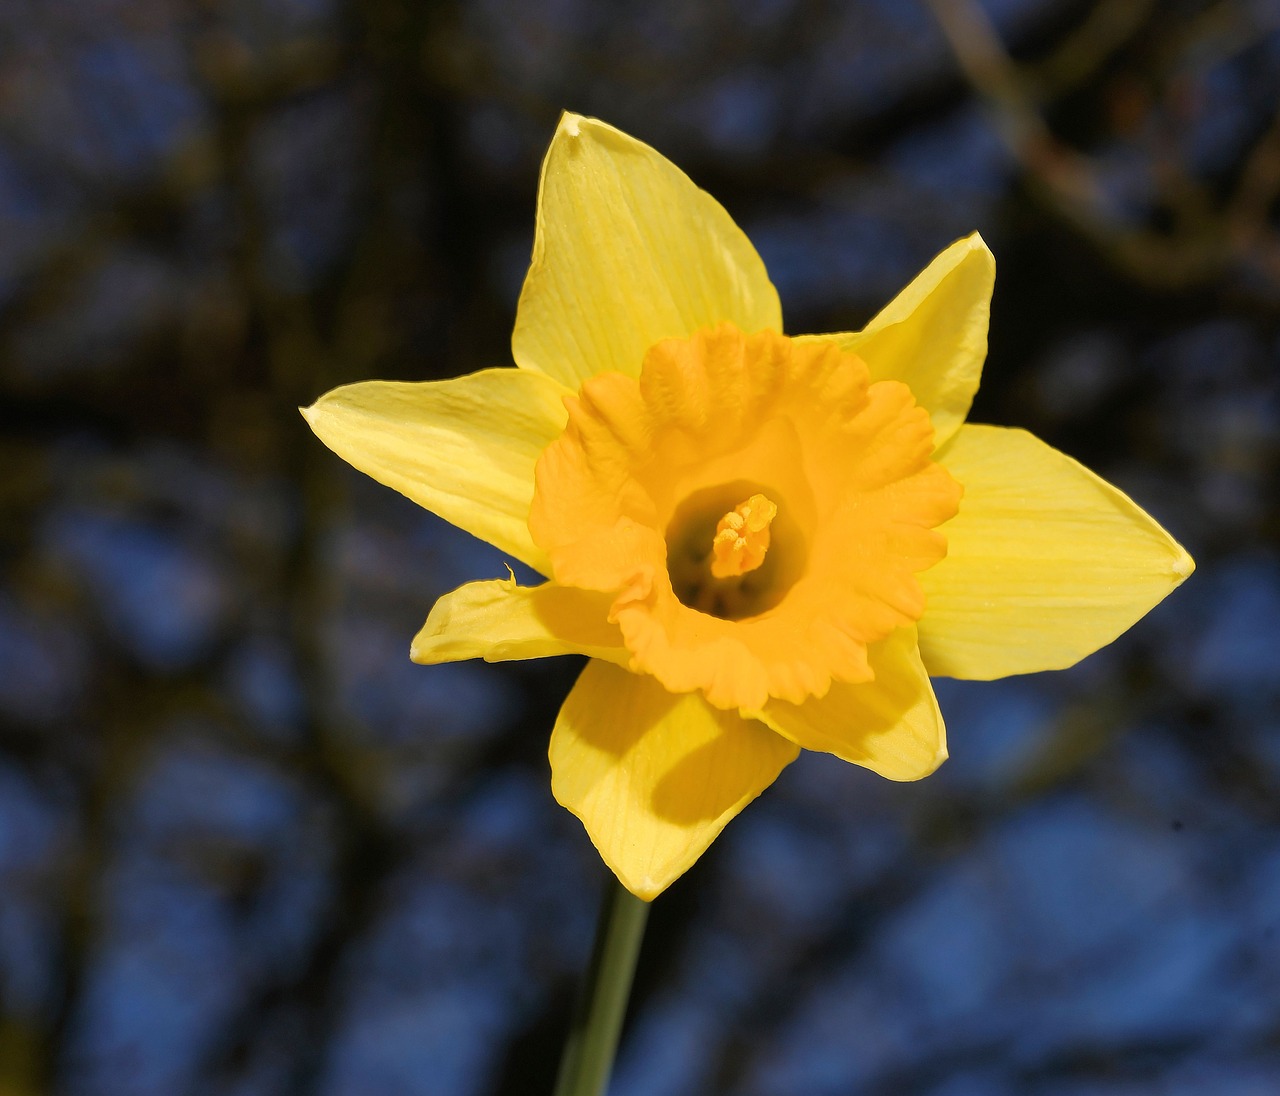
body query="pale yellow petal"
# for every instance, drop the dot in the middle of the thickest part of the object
(655, 776)
(628, 251)
(499, 621)
(463, 448)
(891, 725)
(1045, 561)
(933, 335)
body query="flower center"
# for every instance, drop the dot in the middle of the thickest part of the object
(724, 558)
(742, 537)
(758, 507)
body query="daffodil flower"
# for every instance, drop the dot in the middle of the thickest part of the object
(763, 543)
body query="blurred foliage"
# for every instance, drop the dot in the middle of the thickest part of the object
(247, 848)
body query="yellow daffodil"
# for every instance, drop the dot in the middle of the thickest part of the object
(762, 542)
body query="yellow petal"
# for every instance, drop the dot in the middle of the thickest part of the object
(499, 620)
(891, 725)
(655, 776)
(463, 448)
(1045, 561)
(628, 251)
(933, 335)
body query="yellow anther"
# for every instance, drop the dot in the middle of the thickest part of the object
(742, 537)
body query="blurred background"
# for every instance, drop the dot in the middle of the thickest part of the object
(248, 849)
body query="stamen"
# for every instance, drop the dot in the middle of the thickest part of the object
(742, 537)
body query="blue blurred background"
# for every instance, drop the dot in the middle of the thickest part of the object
(248, 849)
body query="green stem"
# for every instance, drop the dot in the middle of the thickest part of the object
(597, 1023)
